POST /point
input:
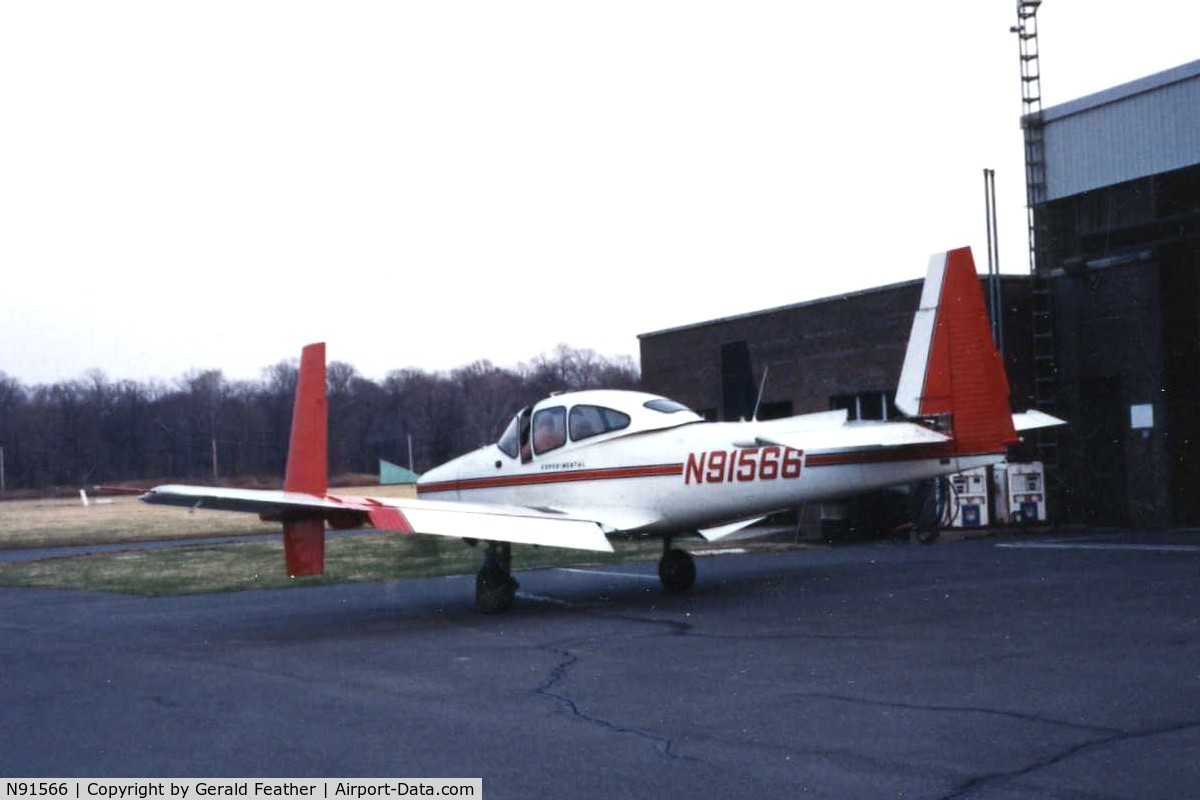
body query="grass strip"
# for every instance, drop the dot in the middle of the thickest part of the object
(259, 565)
(67, 522)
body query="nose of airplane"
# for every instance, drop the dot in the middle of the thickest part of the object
(440, 483)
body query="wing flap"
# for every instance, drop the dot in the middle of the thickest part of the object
(615, 520)
(547, 531)
(389, 519)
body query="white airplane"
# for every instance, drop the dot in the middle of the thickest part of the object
(577, 469)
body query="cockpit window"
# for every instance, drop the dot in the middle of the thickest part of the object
(549, 429)
(508, 440)
(588, 421)
(665, 406)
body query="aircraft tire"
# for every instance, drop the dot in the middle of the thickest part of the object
(677, 570)
(495, 591)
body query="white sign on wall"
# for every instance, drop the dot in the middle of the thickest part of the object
(1141, 416)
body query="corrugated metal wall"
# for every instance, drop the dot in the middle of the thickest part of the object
(1125, 133)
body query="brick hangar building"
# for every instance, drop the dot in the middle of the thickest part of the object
(1104, 331)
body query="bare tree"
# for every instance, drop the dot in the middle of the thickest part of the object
(97, 430)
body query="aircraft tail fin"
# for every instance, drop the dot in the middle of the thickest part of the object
(308, 464)
(952, 368)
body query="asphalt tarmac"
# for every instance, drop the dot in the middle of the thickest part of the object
(992, 668)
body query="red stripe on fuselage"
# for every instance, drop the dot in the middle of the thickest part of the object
(566, 476)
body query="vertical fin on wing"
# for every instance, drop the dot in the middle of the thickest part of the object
(951, 366)
(304, 546)
(308, 464)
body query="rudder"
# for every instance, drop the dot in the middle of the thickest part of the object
(952, 367)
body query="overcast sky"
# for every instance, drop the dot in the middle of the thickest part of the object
(212, 185)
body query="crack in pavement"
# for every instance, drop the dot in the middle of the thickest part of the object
(848, 758)
(681, 628)
(663, 744)
(1017, 715)
(977, 781)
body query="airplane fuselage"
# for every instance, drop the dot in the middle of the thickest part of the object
(688, 476)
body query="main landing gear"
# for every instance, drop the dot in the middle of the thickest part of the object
(495, 587)
(676, 569)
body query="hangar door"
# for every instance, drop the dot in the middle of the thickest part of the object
(1100, 495)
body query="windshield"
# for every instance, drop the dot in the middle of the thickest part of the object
(508, 440)
(549, 429)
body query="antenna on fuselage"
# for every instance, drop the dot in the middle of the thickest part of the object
(758, 400)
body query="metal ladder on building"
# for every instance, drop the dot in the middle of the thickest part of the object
(1045, 366)
(1031, 118)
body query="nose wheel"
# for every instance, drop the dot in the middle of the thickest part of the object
(495, 587)
(676, 568)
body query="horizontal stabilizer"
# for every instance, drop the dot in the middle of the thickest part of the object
(1032, 420)
(856, 435)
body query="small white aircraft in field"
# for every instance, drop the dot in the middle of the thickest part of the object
(576, 469)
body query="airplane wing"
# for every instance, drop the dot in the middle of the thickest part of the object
(516, 524)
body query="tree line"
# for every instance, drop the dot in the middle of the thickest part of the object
(94, 430)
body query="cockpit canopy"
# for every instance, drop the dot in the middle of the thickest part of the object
(564, 420)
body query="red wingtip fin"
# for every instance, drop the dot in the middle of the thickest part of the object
(308, 462)
(304, 546)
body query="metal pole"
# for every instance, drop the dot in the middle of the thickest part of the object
(999, 287)
(3, 486)
(987, 228)
(993, 275)
(410, 459)
(214, 457)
